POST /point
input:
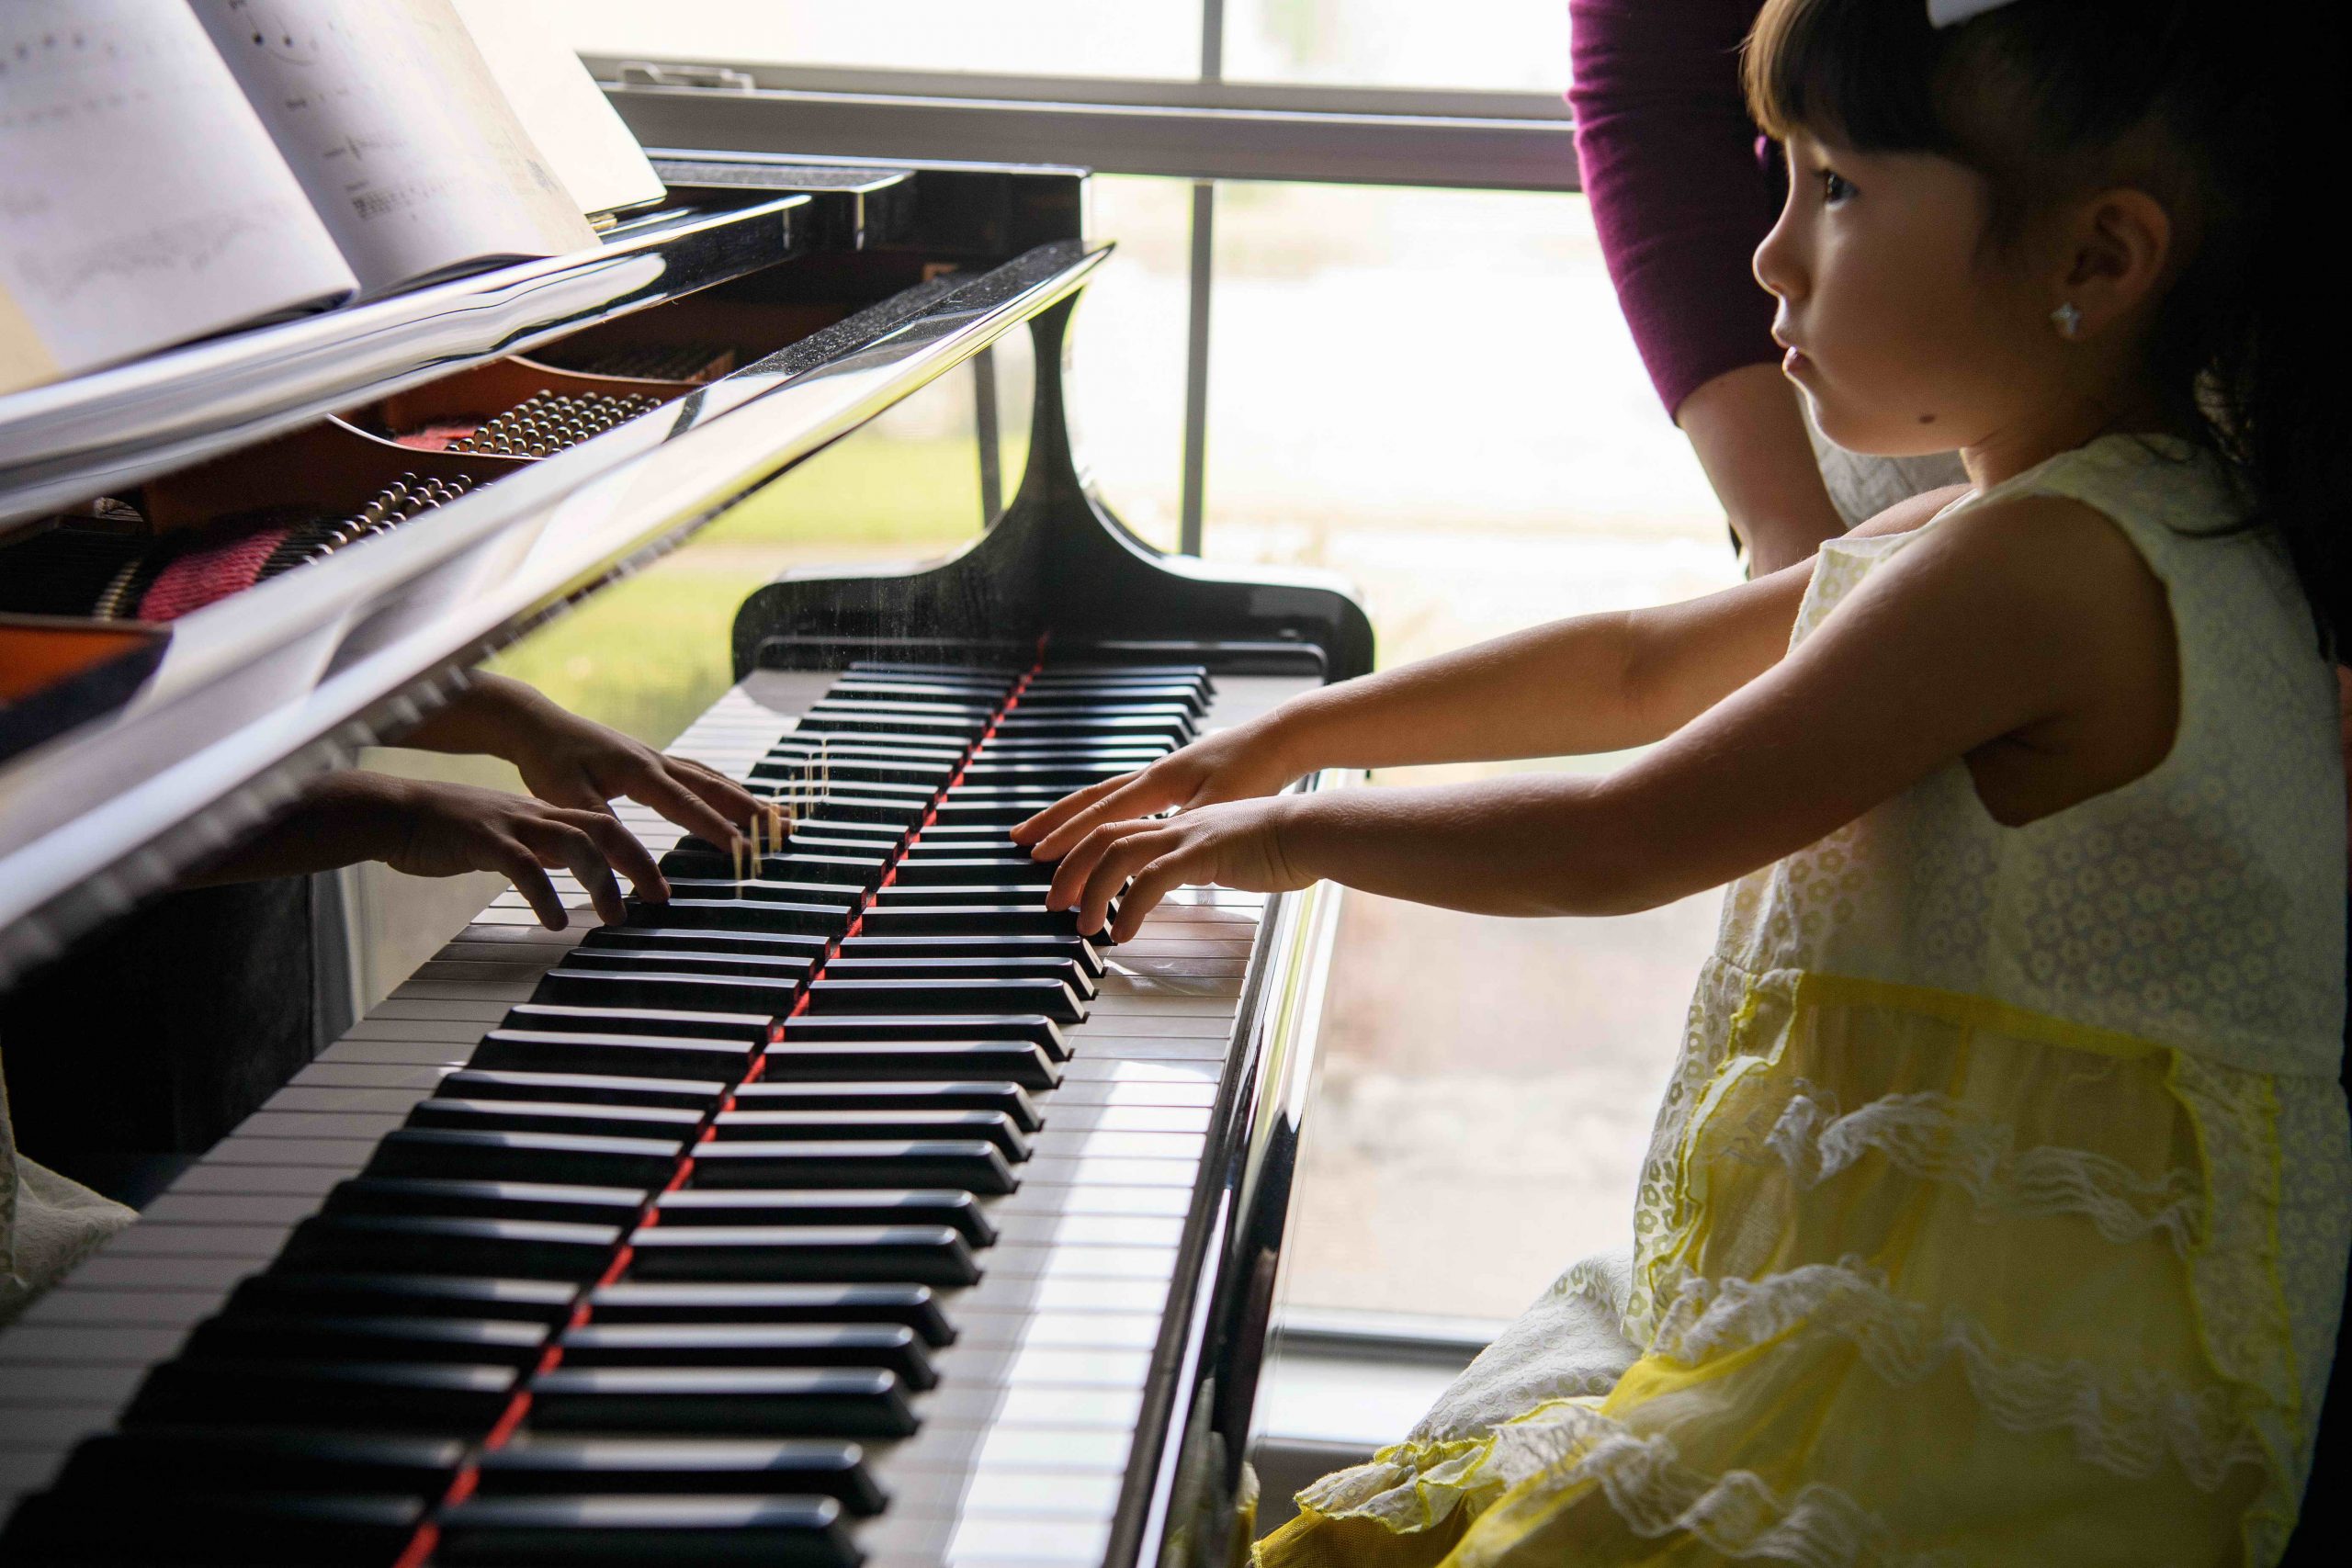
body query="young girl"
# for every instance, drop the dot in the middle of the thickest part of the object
(1998, 1208)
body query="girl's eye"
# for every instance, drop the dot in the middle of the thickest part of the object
(1835, 188)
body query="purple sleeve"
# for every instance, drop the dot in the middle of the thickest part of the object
(1679, 195)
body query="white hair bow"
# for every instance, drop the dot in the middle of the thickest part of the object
(1951, 13)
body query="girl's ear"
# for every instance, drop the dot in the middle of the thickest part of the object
(2121, 243)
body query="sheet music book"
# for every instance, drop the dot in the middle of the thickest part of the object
(568, 117)
(172, 168)
(390, 120)
(142, 203)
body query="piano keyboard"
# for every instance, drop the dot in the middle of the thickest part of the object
(825, 1216)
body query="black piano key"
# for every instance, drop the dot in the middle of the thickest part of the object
(568, 1531)
(557, 1116)
(213, 1459)
(999, 870)
(1066, 971)
(1032, 896)
(796, 767)
(852, 699)
(537, 1250)
(486, 1200)
(762, 889)
(489, 1156)
(865, 948)
(905, 1028)
(915, 1124)
(613, 1054)
(845, 805)
(913, 725)
(290, 1289)
(819, 1060)
(593, 987)
(845, 861)
(413, 1397)
(983, 994)
(248, 1530)
(960, 1212)
(968, 920)
(975, 1165)
(890, 1346)
(626, 1466)
(640, 1301)
(674, 958)
(783, 945)
(833, 1401)
(735, 913)
(991, 813)
(750, 1028)
(237, 1335)
(1009, 1099)
(885, 837)
(597, 1088)
(1001, 747)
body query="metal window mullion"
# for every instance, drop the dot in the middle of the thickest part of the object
(1199, 282)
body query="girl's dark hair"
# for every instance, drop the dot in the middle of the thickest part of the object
(2224, 110)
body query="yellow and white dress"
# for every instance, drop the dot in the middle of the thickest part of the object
(1998, 1208)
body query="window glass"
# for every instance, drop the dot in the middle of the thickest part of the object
(1432, 394)
(1511, 44)
(1068, 37)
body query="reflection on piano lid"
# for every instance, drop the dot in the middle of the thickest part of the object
(860, 1209)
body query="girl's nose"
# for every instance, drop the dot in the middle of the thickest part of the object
(1776, 263)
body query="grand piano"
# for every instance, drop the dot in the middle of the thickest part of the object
(850, 1207)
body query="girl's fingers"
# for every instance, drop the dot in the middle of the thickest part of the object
(1156, 881)
(1121, 860)
(1071, 876)
(1038, 828)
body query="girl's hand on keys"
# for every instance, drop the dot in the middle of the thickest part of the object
(1236, 844)
(443, 829)
(1235, 764)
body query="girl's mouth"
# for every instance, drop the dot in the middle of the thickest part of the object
(1794, 364)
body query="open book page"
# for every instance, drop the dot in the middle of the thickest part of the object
(142, 203)
(570, 121)
(389, 117)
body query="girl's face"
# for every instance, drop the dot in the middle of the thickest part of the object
(1905, 337)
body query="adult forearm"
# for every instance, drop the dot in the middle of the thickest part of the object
(338, 821)
(1748, 431)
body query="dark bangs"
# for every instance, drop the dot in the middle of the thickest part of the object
(1861, 73)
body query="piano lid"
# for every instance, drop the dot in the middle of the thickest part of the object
(316, 663)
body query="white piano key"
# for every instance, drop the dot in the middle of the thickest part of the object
(86, 1305)
(61, 1345)
(190, 1208)
(1089, 1230)
(1085, 1169)
(309, 1181)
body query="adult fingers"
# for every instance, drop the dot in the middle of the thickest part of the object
(521, 865)
(623, 851)
(723, 795)
(653, 785)
(567, 845)
(1071, 876)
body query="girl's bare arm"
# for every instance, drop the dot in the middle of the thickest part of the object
(2034, 620)
(1593, 683)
